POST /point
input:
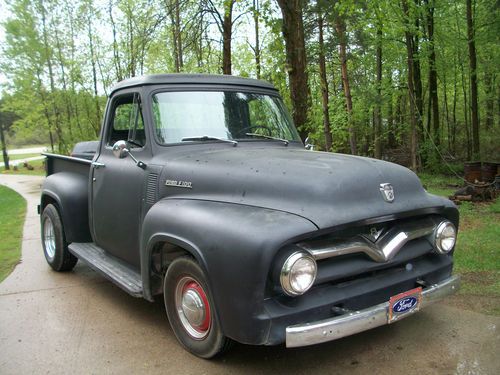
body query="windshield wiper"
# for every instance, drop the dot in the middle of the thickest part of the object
(268, 137)
(207, 138)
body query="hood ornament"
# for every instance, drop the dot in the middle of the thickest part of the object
(387, 192)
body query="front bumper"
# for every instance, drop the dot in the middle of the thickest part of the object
(359, 321)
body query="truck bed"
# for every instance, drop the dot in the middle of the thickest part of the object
(61, 163)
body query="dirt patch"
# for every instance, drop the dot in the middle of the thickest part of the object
(481, 278)
(489, 305)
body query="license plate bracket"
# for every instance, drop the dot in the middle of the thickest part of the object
(404, 304)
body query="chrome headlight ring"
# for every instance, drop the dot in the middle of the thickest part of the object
(298, 273)
(445, 237)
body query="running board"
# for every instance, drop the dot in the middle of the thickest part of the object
(110, 267)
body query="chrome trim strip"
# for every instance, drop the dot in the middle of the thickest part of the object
(359, 321)
(384, 249)
(69, 158)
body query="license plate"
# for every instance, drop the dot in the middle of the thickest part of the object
(404, 304)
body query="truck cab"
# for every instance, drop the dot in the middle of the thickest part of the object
(202, 193)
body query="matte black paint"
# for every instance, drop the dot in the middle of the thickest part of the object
(247, 206)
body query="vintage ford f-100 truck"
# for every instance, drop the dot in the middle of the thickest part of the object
(202, 191)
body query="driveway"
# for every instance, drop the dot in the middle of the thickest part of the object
(80, 323)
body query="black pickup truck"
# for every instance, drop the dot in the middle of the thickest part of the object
(202, 192)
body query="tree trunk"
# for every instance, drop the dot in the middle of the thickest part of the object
(466, 112)
(69, 110)
(179, 34)
(4, 148)
(175, 51)
(324, 86)
(391, 137)
(411, 89)
(489, 83)
(433, 84)
(94, 72)
(116, 56)
(377, 118)
(417, 74)
(473, 80)
(340, 27)
(227, 31)
(48, 58)
(293, 33)
(175, 20)
(256, 49)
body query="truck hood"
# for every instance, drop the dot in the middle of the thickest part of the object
(327, 189)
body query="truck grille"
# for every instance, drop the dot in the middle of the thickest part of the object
(362, 251)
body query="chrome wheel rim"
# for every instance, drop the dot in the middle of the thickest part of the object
(49, 238)
(193, 308)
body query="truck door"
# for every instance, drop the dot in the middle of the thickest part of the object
(117, 184)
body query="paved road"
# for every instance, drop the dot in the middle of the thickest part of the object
(79, 323)
(32, 150)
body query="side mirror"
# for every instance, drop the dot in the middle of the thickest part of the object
(308, 146)
(121, 151)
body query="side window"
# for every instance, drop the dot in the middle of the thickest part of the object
(127, 122)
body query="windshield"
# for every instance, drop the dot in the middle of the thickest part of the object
(232, 115)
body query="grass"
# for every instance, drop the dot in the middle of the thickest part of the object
(39, 169)
(477, 254)
(12, 212)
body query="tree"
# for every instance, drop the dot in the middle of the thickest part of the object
(433, 111)
(341, 32)
(324, 82)
(293, 33)
(6, 121)
(411, 86)
(473, 79)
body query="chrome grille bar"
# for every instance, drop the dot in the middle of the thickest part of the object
(382, 250)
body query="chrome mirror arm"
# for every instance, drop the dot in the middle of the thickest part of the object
(121, 151)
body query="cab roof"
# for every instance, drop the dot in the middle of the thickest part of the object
(190, 79)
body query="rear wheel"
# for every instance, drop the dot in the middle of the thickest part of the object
(54, 243)
(191, 310)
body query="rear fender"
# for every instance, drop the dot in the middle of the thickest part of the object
(70, 193)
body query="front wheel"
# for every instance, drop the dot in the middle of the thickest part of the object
(191, 310)
(54, 243)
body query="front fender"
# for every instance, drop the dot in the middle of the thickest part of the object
(234, 244)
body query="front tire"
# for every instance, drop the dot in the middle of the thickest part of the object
(54, 243)
(191, 310)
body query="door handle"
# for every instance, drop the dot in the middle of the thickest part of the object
(98, 165)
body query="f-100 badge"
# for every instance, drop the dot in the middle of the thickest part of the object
(181, 184)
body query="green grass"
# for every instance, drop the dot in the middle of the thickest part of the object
(22, 156)
(477, 254)
(440, 184)
(39, 169)
(12, 212)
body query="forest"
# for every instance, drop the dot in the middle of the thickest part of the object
(411, 81)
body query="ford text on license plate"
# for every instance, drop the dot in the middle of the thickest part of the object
(404, 304)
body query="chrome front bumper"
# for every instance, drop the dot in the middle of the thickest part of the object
(359, 321)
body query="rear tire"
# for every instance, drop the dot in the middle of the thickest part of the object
(191, 310)
(54, 243)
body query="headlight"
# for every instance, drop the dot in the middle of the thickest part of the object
(298, 273)
(445, 237)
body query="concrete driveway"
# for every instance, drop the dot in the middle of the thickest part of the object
(80, 323)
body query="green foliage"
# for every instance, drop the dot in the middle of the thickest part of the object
(61, 59)
(12, 211)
